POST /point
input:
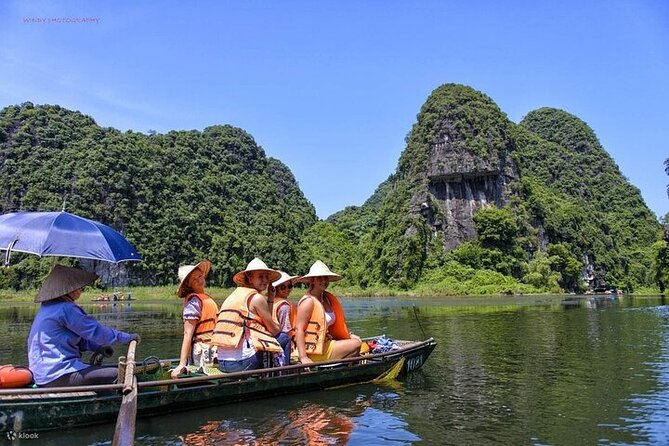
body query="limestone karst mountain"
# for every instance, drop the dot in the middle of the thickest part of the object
(540, 202)
(566, 198)
(179, 197)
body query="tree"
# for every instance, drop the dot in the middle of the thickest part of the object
(661, 264)
(496, 228)
(540, 273)
(563, 262)
(666, 170)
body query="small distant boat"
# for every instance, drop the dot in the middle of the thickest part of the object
(115, 297)
(101, 299)
(38, 409)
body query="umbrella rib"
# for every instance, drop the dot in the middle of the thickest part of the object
(53, 223)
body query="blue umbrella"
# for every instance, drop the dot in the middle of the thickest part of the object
(64, 235)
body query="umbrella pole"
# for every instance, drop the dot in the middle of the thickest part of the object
(9, 251)
(124, 433)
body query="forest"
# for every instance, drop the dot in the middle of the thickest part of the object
(555, 214)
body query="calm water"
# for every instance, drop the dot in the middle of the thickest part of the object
(528, 370)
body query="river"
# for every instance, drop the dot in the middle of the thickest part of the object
(533, 370)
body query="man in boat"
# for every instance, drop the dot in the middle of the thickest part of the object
(199, 316)
(245, 328)
(320, 328)
(283, 310)
(62, 331)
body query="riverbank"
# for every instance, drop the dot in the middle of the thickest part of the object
(168, 293)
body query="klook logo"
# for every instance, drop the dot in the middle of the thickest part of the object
(11, 435)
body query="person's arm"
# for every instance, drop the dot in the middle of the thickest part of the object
(259, 307)
(304, 310)
(93, 332)
(283, 317)
(88, 346)
(189, 329)
(271, 294)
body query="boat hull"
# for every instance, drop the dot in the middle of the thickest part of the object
(37, 412)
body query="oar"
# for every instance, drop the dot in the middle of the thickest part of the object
(124, 434)
(387, 377)
(390, 374)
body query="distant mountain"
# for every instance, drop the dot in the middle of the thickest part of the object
(540, 201)
(601, 215)
(178, 197)
(477, 204)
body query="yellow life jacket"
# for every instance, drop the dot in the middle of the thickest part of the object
(316, 330)
(275, 313)
(234, 319)
(205, 326)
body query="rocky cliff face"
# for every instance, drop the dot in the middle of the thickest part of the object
(460, 183)
(468, 164)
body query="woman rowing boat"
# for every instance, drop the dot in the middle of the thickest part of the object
(62, 331)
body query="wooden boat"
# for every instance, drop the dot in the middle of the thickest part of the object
(30, 410)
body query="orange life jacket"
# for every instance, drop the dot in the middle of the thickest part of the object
(205, 326)
(234, 319)
(275, 313)
(316, 330)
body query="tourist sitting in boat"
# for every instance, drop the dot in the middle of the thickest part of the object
(199, 316)
(62, 331)
(320, 328)
(283, 311)
(245, 329)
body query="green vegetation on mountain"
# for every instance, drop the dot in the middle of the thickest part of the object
(477, 205)
(661, 249)
(400, 244)
(583, 200)
(568, 220)
(178, 197)
(666, 170)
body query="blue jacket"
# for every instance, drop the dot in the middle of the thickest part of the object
(60, 332)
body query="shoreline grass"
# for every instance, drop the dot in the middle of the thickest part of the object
(168, 293)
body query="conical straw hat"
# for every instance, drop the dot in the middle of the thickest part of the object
(285, 277)
(186, 270)
(63, 280)
(320, 269)
(255, 265)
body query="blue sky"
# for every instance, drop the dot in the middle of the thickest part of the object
(331, 88)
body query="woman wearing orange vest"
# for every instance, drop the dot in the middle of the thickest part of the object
(283, 310)
(245, 329)
(199, 316)
(320, 328)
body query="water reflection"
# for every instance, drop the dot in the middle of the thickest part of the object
(651, 410)
(525, 370)
(333, 417)
(593, 302)
(309, 424)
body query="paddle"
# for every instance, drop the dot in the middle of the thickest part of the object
(124, 433)
(390, 374)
